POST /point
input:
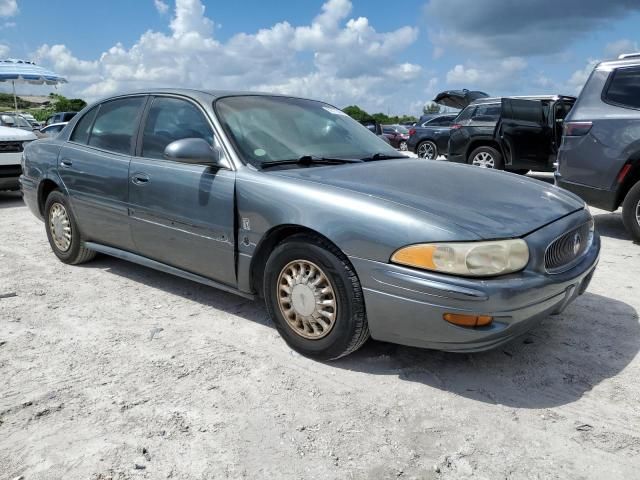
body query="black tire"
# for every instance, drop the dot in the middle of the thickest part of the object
(631, 212)
(498, 163)
(76, 253)
(427, 145)
(350, 329)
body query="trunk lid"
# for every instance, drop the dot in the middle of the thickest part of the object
(458, 98)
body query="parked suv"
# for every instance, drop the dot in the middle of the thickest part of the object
(12, 143)
(599, 158)
(510, 133)
(430, 137)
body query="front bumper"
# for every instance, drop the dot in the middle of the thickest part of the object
(406, 306)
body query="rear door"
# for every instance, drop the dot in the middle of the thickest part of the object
(525, 134)
(181, 214)
(94, 167)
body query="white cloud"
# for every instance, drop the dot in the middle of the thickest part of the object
(613, 49)
(4, 51)
(335, 58)
(492, 75)
(161, 7)
(579, 77)
(8, 8)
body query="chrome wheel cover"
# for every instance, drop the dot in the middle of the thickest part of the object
(638, 213)
(403, 146)
(60, 227)
(484, 160)
(427, 151)
(306, 299)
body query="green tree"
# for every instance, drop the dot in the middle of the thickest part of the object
(356, 113)
(431, 108)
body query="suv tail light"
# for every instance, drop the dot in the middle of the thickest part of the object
(456, 126)
(577, 129)
(412, 131)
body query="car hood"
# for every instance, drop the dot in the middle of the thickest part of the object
(12, 134)
(488, 203)
(458, 98)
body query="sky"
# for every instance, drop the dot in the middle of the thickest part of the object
(390, 57)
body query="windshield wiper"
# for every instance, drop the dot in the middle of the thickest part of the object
(381, 156)
(311, 160)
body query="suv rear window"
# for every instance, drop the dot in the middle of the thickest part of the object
(624, 87)
(486, 113)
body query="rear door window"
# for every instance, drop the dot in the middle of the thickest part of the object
(486, 113)
(116, 124)
(624, 88)
(83, 128)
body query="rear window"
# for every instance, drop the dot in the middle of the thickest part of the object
(486, 113)
(115, 124)
(624, 88)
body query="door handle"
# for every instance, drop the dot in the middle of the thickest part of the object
(140, 178)
(66, 163)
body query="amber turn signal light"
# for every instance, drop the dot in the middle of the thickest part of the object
(468, 320)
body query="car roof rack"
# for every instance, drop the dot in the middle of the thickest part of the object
(629, 55)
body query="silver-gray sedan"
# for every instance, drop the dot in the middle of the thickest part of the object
(291, 200)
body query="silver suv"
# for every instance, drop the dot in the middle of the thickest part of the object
(599, 158)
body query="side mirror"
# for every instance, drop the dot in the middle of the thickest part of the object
(8, 120)
(195, 151)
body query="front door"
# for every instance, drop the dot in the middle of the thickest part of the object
(94, 167)
(524, 133)
(181, 214)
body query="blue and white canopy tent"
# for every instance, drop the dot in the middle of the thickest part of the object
(22, 71)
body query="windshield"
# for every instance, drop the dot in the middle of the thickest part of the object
(267, 129)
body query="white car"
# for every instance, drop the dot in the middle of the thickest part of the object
(12, 143)
(53, 129)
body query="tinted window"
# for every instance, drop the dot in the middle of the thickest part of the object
(116, 124)
(624, 88)
(525, 110)
(486, 113)
(465, 114)
(172, 119)
(441, 122)
(81, 132)
(387, 130)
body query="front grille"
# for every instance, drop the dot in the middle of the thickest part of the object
(565, 251)
(10, 171)
(10, 147)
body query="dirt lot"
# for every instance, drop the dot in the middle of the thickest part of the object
(113, 371)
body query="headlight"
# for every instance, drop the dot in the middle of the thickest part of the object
(474, 259)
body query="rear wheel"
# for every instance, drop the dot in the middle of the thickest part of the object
(486, 157)
(314, 298)
(62, 231)
(427, 150)
(631, 212)
(403, 146)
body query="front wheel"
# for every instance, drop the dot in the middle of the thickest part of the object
(315, 299)
(631, 212)
(427, 150)
(486, 157)
(62, 231)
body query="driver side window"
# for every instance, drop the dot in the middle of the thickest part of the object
(172, 119)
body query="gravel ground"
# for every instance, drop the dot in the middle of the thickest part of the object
(114, 371)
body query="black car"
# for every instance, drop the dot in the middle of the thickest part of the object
(510, 133)
(430, 137)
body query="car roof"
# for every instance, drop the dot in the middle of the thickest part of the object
(55, 124)
(199, 92)
(609, 65)
(523, 97)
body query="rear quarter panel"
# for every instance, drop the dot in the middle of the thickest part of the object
(40, 164)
